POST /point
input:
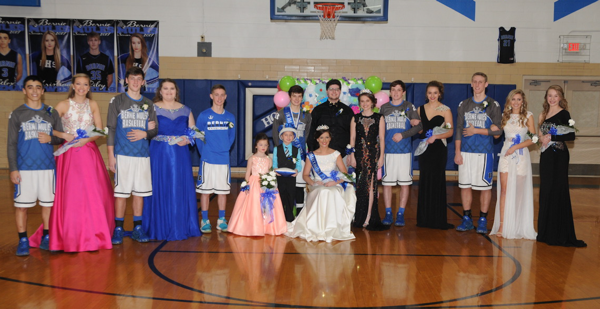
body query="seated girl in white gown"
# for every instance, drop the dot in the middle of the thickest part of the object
(330, 204)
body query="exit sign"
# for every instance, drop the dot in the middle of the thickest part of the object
(573, 47)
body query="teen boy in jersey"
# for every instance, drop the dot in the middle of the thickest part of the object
(11, 62)
(477, 121)
(130, 119)
(401, 123)
(96, 64)
(214, 175)
(32, 130)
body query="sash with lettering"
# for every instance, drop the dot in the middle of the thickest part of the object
(317, 170)
(289, 119)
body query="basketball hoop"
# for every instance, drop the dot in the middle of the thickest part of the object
(328, 19)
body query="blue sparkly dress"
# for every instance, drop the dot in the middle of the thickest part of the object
(171, 213)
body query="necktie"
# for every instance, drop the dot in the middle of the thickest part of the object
(287, 151)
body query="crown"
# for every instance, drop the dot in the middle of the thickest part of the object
(322, 127)
(366, 91)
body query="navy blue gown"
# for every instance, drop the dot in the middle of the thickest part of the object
(171, 212)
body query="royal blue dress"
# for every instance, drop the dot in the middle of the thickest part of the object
(171, 212)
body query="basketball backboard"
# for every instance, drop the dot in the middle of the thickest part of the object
(354, 10)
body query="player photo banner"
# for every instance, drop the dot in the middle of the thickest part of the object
(13, 61)
(137, 45)
(50, 52)
(94, 49)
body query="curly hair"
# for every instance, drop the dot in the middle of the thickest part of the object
(508, 108)
(158, 96)
(439, 86)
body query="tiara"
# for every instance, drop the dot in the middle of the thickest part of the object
(322, 127)
(366, 91)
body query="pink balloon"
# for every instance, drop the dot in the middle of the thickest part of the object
(281, 99)
(382, 98)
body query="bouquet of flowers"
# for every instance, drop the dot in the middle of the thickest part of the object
(192, 134)
(561, 130)
(268, 183)
(431, 132)
(81, 133)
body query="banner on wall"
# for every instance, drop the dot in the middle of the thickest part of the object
(50, 52)
(94, 49)
(137, 45)
(13, 61)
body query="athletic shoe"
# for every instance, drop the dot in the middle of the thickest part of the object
(139, 235)
(117, 237)
(23, 247)
(45, 244)
(388, 219)
(205, 226)
(222, 224)
(466, 224)
(482, 226)
(399, 220)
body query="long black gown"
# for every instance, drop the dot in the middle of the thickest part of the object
(367, 153)
(431, 209)
(555, 217)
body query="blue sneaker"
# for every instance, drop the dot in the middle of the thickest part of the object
(139, 235)
(466, 224)
(45, 244)
(482, 225)
(388, 219)
(23, 247)
(399, 220)
(205, 226)
(117, 237)
(222, 224)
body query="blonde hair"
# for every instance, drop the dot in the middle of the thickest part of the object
(562, 103)
(508, 108)
(56, 50)
(72, 89)
(131, 58)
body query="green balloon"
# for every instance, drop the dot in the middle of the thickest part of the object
(286, 82)
(374, 84)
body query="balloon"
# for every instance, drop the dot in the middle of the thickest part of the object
(286, 82)
(374, 84)
(382, 98)
(281, 99)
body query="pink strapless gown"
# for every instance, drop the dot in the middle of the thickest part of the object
(247, 218)
(82, 218)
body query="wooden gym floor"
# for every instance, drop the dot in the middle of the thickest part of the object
(406, 267)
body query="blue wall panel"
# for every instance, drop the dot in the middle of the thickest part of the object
(195, 94)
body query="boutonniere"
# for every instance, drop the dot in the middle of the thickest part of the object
(49, 110)
(145, 106)
(294, 160)
(403, 113)
(485, 105)
(339, 112)
(230, 125)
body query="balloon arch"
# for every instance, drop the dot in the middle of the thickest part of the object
(315, 92)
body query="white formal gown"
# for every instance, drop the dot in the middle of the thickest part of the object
(328, 211)
(518, 207)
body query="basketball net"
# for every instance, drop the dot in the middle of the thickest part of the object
(328, 19)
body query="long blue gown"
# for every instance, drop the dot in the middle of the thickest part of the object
(171, 212)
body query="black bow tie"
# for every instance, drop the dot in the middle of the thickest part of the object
(332, 104)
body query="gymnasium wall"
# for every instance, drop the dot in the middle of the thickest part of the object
(423, 40)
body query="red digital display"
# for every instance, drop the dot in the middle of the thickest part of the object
(573, 47)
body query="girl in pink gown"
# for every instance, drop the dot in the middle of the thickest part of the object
(247, 218)
(82, 217)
